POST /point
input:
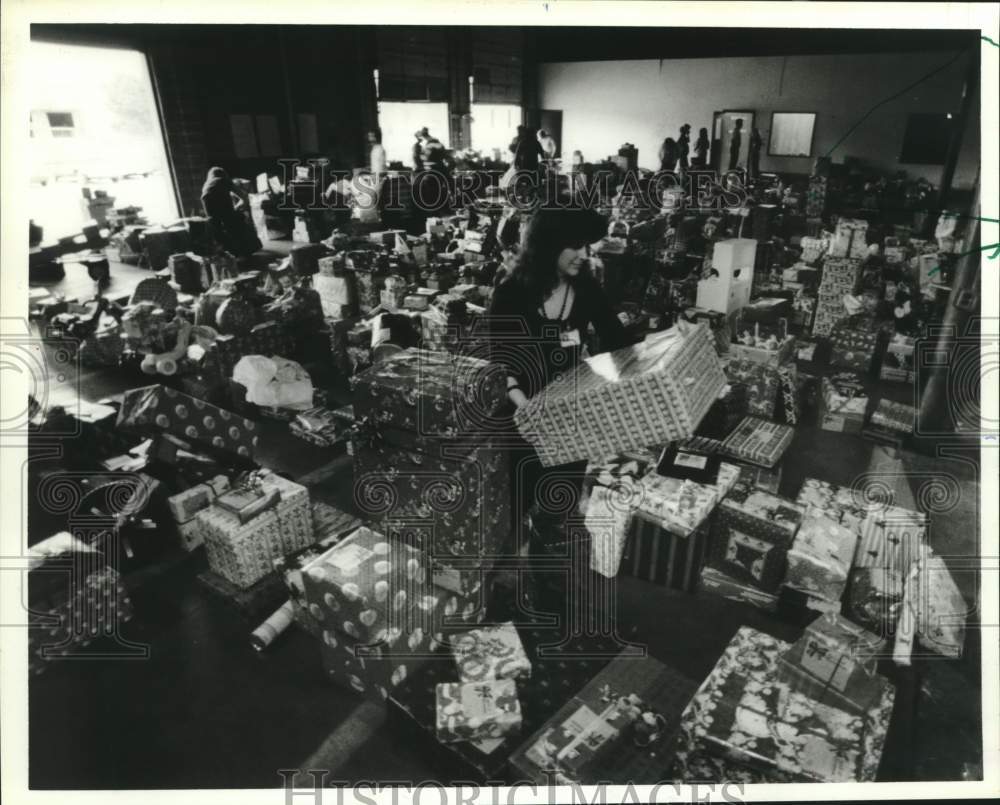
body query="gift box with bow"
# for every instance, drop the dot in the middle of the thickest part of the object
(758, 441)
(184, 506)
(477, 710)
(820, 558)
(493, 652)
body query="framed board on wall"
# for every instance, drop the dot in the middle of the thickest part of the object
(792, 134)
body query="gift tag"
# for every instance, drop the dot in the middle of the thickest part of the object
(478, 701)
(830, 666)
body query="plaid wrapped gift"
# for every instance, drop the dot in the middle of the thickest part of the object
(184, 506)
(852, 349)
(892, 538)
(477, 710)
(844, 403)
(751, 534)
(762, 383)
(73, 597)
(493, 652)
(653, 392)
(897, 363)
(363, 586)
(431, 393)
(162, 409)
(820, 558)
(837, 503)
(743, 713)
(243, 552)
(834, 663)
(758, 441)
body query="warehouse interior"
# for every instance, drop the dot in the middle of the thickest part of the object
(851, 153)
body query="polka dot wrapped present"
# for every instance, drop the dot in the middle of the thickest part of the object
(160, 409)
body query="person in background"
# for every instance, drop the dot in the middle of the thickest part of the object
(701, 149)
(734, 144)
(434, 156)
(548, 144)
(538, 321)
(526, 149)
(222, 204)
(684, 147)
(376, 153)
(668, 155)
(418, 148)
(753, 153)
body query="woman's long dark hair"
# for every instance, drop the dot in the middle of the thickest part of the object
(217, 177)
(550, 230)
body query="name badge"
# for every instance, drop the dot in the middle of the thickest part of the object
(569, 338)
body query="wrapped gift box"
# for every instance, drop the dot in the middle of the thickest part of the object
(477, 710)
(853, 349)
(751, 534)
(897, 363)
(836, 503)
(184, 506)
(653, 392)
(875, 599)
(844, 403)
(758, 441)
(579, 744)
(891, 537)
(820, 558)
(363, 585)
(935, 606)
(834, 663)
(813, 249)
(369, 280)
(606, 521)
(244, 552)
(74, 598)
(165, 410)
(715, 581)
(337, 293)
(744, 712)
(681, 506)
(494, 652)
(849, 239)
(431, 393)
(762, 383)
(894, 416)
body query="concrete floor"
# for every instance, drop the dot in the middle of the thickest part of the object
(207, 711)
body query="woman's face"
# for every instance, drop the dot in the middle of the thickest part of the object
(571, 260)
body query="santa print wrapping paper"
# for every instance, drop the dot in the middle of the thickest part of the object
(364, 586)
(477, 710)
(751, 534)
(650, 393)
(493, 652)
(162, 409)
(431, 393)
(758, 441)
(243, 553)
(835, 663)
(74, 598)
(820, 558)
(743, 713)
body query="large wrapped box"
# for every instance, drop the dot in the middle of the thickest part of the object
(74, 598)
(744, 713)
(493, 652)
(758, 441)
(363, 586)
(477, 711)
(751, 534)
(588, 741)
(653, 392)
(242, 548)
(337, 293)
(820, 558)
(162, 409)
(844, 402)
(835, 663)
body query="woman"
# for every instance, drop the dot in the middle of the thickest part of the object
(231, 228)
(701, 149)
(684, 147)
(668, 155)
(539, 319)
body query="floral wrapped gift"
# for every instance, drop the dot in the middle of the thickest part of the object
(758, 441)
(820, 558)
(653, 392)
(476, 710)
(363, 585)
(164, 410)
(745, 713)
(834, 663)
(494, 652)
(751, 535)
(273, 519)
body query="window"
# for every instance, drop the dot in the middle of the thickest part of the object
(398, 120)
(494, 126)
(94, 126)
(791, 134)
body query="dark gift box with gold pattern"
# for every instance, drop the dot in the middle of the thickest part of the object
(746, 724)
(751, 535)
(164, 410)
(477, 710)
